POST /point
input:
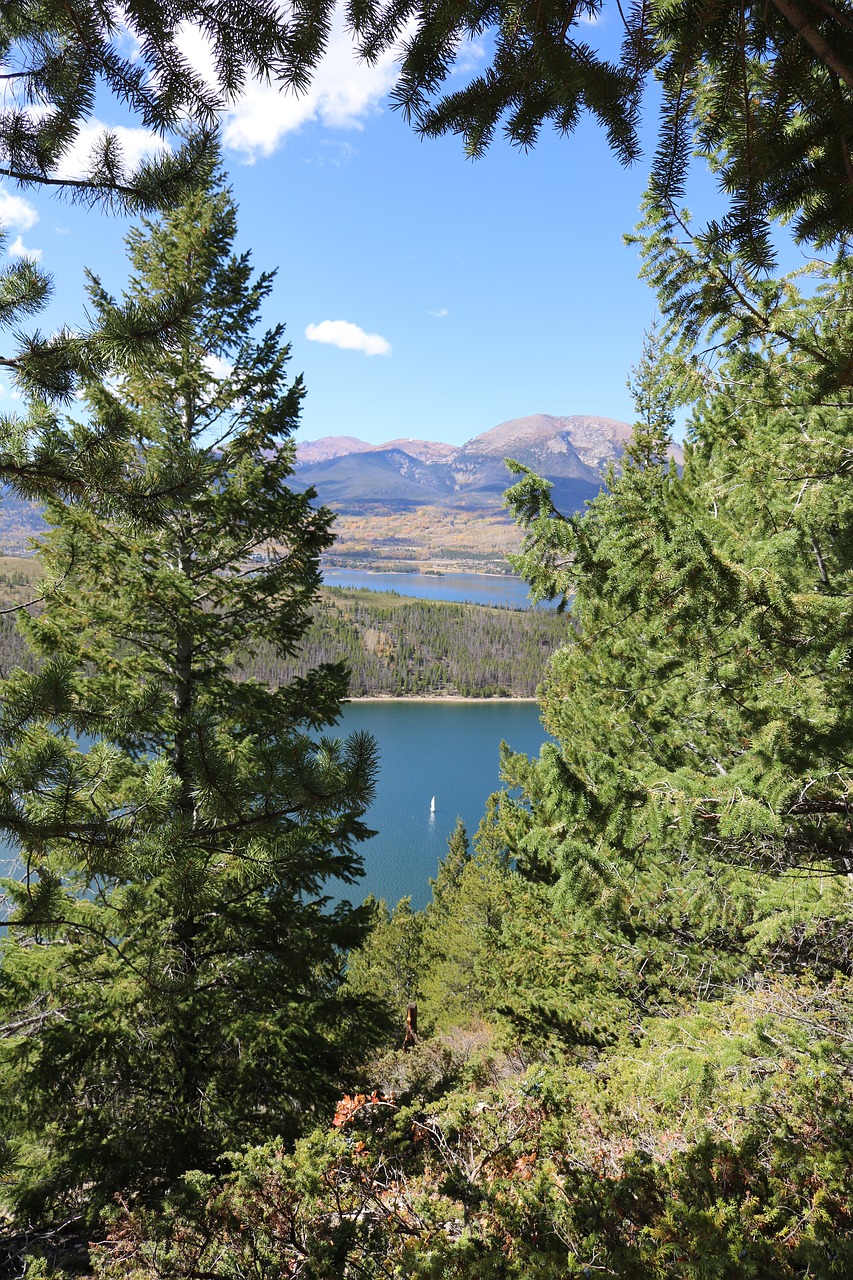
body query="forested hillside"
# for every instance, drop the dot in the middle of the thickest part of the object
(393, 646)
(634, 1050)
(397, 646)
(655, 1083)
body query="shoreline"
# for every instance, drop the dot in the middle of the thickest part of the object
(430, 573)
(431, 697)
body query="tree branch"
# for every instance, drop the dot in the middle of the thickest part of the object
(813, 38)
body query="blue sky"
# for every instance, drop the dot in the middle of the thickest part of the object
(473, 291)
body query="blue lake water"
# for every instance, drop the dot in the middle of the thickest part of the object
(444, 749)
(476, 588)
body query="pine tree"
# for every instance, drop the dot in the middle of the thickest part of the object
(701, 704)
(764, 92)
(651, 442)
(451, 867)
(461, 924)
(389, 965)
(761, 90)
(58, 58)
(61, 55)
(171, 975)
(693, 809)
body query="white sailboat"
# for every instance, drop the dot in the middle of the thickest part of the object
(432, 807)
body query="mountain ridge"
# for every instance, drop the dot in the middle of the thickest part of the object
(411, 503)
(586, 431)
(572, 452)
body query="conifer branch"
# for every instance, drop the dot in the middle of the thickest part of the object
(821, 46)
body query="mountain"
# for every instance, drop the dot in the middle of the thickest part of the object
(456, 490)
(572, 452)
(385, 475)
(20, 520)
(425, 450)
(542, 437)
(329, 447)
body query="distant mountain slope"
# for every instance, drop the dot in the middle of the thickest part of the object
(329, 447)
(20, 520)
(556, 442)
(377, 475)
(570, 451)
(403, 475)
(425, 450)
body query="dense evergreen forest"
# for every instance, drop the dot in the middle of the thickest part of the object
(392, 645)
(634, 991)
(399, 646)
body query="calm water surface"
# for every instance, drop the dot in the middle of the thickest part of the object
(444, 749)
(477, 588)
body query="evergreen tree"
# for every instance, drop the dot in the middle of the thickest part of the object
(651, 442)
(172, 967)
(388, 965)
(763, 91)
(702, 704)
(461, 925)
(451, 867)
(58, 58)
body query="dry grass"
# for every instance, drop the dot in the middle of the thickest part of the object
(19, 576)
(425, 538)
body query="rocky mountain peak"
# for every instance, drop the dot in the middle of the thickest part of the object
(308, 451)
(569, 451)
(594, 440)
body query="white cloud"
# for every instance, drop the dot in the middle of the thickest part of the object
(340, 333)
(197, 49)
(136, 144)
(218, 367)
(440, 314)
(5, 393)
(125, 38)
(342, 93)
(15, 211)
(17, 249)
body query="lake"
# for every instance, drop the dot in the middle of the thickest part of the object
(475, 588)
(444, 749)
